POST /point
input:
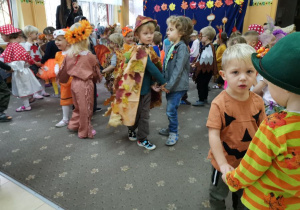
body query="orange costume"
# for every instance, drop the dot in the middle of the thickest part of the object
(65, 88)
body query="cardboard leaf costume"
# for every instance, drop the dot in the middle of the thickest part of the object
(128, 88)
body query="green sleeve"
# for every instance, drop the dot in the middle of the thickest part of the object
(153, 70)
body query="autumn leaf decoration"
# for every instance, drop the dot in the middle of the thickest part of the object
(141, 53)
(127, 56)
(276, 119)
(294, 162)
(233, 182)
(275, 203)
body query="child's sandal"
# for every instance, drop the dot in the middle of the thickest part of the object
(23, 108)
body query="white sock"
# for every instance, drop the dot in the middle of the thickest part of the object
(26, 101)
(66, 110)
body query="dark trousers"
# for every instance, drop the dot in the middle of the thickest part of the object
(4, 95)
(142, 117)
(202, 82)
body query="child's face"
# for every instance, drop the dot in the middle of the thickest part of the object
(49, 37)
(112, 45)
(4, 37)
(61, 43)
(173, 34)
(278, 94)
(193, 38)
(146, 35)
(129, 38)
(204, 39)
(240, 76)
(33, 35)
(250, 41)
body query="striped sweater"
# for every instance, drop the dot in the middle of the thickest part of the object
(270, 170)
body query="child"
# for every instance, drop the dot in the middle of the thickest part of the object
(176, 71)
(115, 45)
(4, 94)
(251, 38)
(65, 88)
(206, 65)
(42, 43)
(157, 38)
(221, 41)
(31, 33)
(49, 60)
(128, 38)
(195, 46)
(133, 97)
(233, 119)
(24, 83)
(83, 66)
(270, 170)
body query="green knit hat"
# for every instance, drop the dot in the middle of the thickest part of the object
(281, 65)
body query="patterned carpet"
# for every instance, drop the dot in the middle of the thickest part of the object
(109, 171)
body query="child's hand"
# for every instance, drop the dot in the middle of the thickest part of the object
(224, 168)
(164, 89)
(38, 64)
(224, 178)
(193, 65)
(156, 88)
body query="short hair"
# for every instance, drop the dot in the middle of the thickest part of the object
(223, 37)
(253, 35)
(236, 40)
(235, 34)
(157, 38)
(240, 52)
(150, 25)
(22, 34)
(14, 35)
(184, 25)
(30, 29)
(116, 38)
(157, 28)
(49, 30)
(208, 31)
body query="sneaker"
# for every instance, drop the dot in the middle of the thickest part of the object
(146, 144)
(131, 135)
(185, 102)
(172, 140)
(164, 132)
(199, 103)
(62, 123)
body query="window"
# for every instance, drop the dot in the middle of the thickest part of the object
(5, 15)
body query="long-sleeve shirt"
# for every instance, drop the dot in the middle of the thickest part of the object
(219, 55)
(270, 170)
(195, 48)
(50, 52)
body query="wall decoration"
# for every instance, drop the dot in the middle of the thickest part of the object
(261, 2)
(193, 5)
(157, 8)
(26, 1)
(211, 18)
(184, 6)
(218, 3)
(210, 4)
(239, 2)
(172, 6)
(202, 5)
(228, 2)
(164, 7)
(39, 2)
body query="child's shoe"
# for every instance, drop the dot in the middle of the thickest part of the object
(164, 132)
(55, 95)
(172, 140)
(45, 94)
(62, 123)
(37, 96)
(199, 103)
(131, 135)
(23, 108)
(146, 144)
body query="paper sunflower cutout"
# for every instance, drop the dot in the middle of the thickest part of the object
(201, 5)
(218, 3)
(157, 8)
(164, 7)
(228, 2)
(193, 5)
(210, 4)
(184, 5)
(172, 6)
(239, 2)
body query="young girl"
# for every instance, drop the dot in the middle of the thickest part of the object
(270, 170)
(24, 83)
(115, 45)
(176, 71)
(48, 60)
(65, 88)
(128, 38)
(221, 41)
(32, 48)
(83, 66)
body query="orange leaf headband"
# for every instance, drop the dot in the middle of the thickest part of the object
(125, 31)
(80, 33)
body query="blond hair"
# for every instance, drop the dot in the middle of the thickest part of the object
(208, 31)
(252, 35)
(184, 26)
(116, 38)
(149, 25)
(78, 47)
(240, 52)
(236, 40)
(29, 30)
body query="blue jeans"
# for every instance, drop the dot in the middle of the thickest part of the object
(173, 101)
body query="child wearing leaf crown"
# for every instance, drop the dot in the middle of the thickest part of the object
(83, 66)
(133, 97)
(270, 170)
(128, 38)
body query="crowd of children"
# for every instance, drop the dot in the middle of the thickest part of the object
(263, 173)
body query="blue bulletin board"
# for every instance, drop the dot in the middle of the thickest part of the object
(233, 10)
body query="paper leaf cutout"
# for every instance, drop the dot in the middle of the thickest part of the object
(137, 66)
(184, 5)
(115, 108)
(193, 5)
(127, 56)
(218, 3)
(164, 7)
(201, 5)
(172, 6)
(125, 100)
(128, 94)
(119, 93)
(239, 2)
(228, 2)
(126, 87)
(125, 76)
(137, 77)
(120, 83)
(141, 53)
(210, 4)
(136, 88)
(157, 8)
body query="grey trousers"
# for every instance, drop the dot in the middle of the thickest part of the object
(142, 118)
(218, 191)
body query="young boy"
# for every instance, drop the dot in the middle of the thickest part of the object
(270, 170)
(176, 71)
(157, 38)
(206, 64)
(251, 38)
(233, 119)
(133, 96)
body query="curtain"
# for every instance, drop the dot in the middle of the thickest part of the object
(50, 8)
(135, 9)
